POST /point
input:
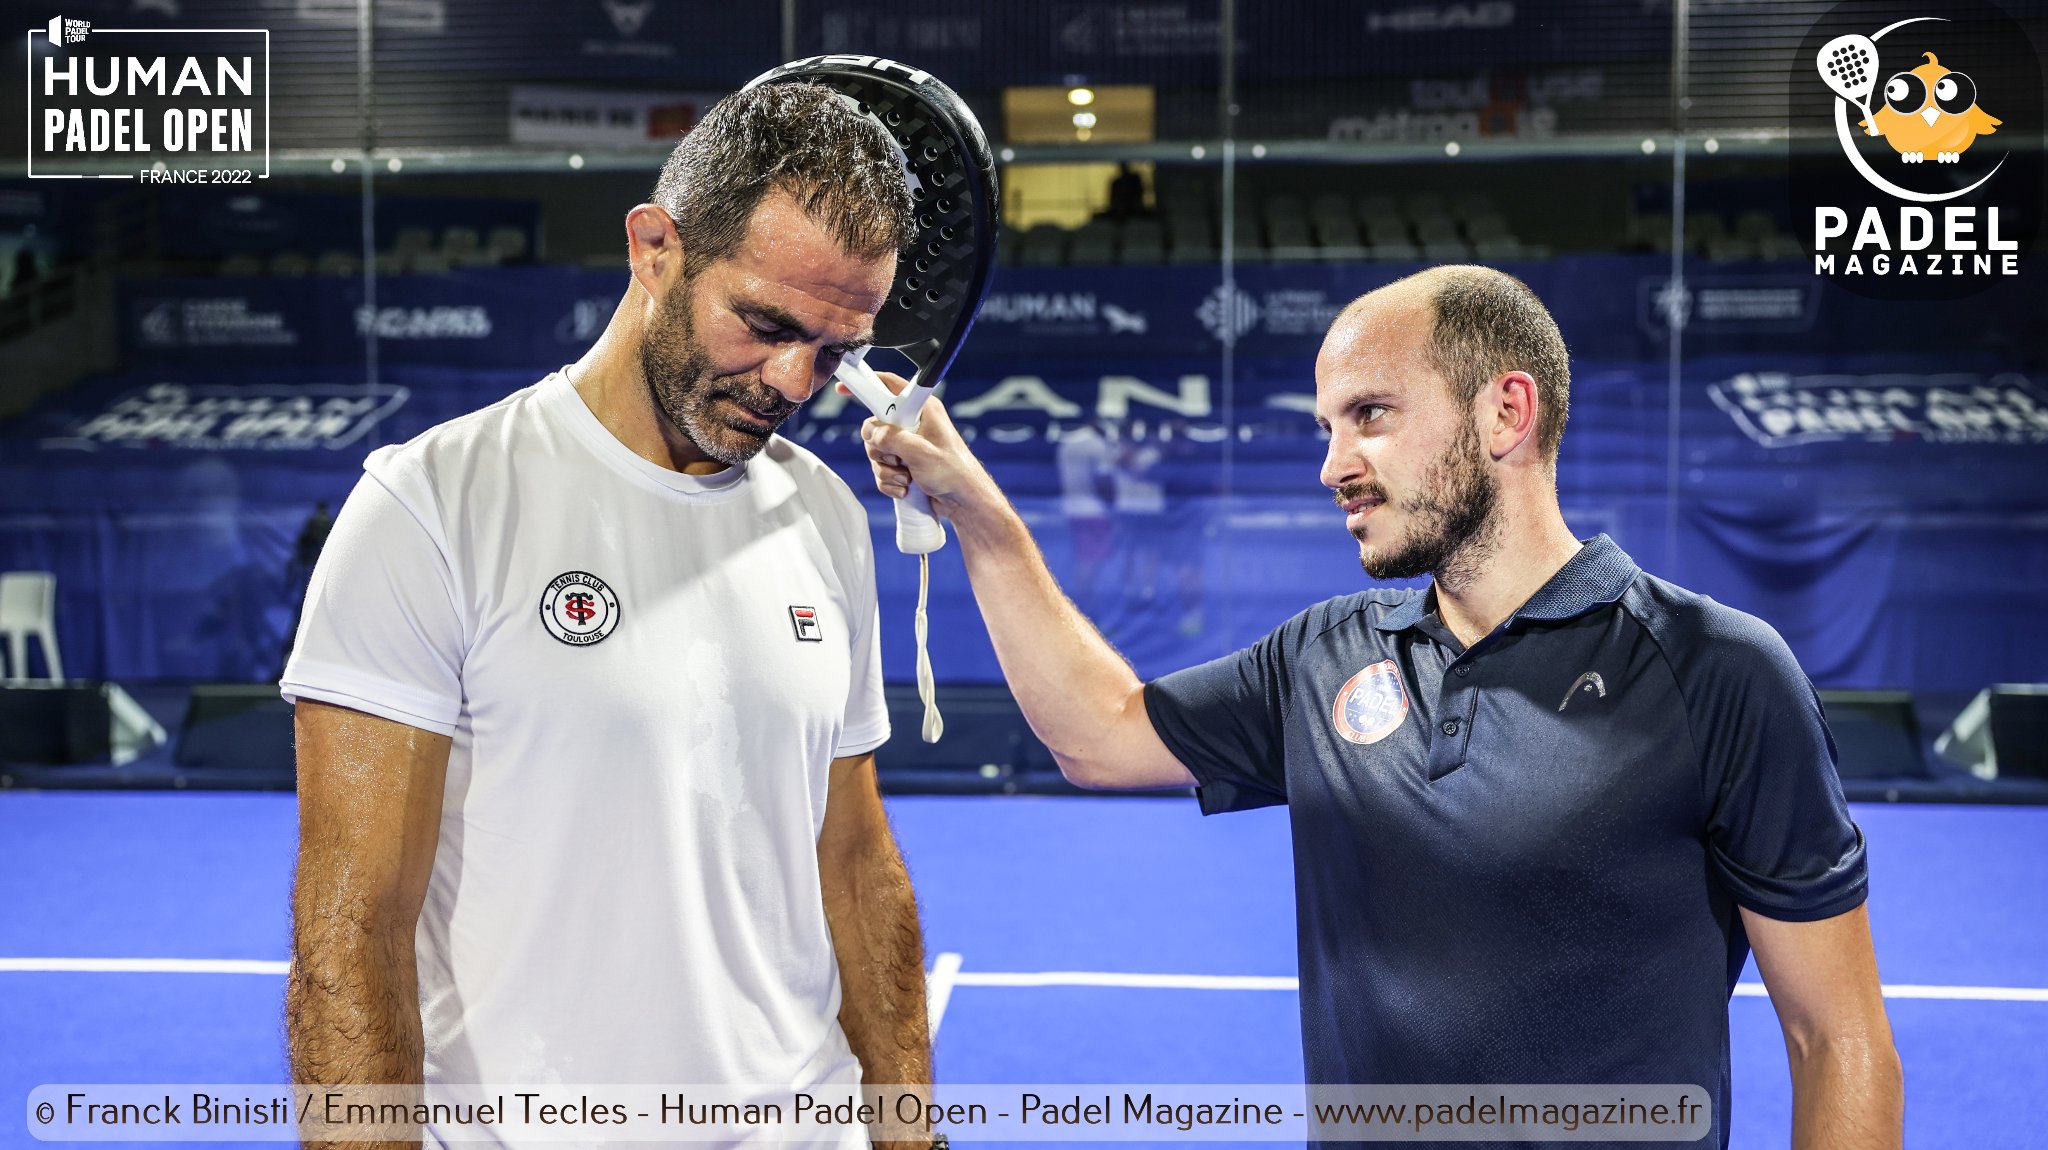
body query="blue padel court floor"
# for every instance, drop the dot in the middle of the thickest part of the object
(143, 939)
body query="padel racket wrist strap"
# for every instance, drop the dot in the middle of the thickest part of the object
(927, 690)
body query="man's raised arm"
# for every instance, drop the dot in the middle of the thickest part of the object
(369, 817)
(1081, 698)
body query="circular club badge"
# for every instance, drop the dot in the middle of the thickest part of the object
(1372, 704)
(579, 609)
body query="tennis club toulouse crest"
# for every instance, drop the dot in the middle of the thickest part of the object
(579, 609)
(1372, 704)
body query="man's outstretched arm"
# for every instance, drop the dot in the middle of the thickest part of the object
(369, 819)
(1081, 698)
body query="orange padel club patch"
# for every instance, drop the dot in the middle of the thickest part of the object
(1372, 705)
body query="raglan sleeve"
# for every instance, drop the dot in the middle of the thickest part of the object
(1779, 833)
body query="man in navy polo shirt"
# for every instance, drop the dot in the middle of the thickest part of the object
(1542, 809)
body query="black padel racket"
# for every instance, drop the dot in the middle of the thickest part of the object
(940, 278)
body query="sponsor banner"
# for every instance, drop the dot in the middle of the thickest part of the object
(1719, 304)
(602, 118)
(538, 317)
(1779, 409)
(256, 417)
(541, 317)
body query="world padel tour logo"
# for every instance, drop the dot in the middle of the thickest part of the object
(1372, 705)
(159, 105)
(1933, 189)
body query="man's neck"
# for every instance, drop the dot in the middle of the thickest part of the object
(1531, 545)
(613, 386)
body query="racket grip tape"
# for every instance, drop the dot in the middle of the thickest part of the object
(918, 531)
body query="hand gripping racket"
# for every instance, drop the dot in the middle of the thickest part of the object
(940, 278)
(1848, 66)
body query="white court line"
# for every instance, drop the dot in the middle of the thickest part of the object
(148, 965)
(938, 988)
(1143, 981)
(947, 974)
(1262, 982)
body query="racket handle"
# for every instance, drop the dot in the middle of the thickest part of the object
(918, 531)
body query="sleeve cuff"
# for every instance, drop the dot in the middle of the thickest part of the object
(1218, 797)
(862, 740)
(1842, 888)
(384, 699)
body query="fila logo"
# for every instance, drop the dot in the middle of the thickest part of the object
(805, 620)
(1589, 683)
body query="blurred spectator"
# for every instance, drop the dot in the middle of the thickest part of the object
(299, 572)
(27, 270)
(1141, 513)
(1126, 194)
(1086, 463)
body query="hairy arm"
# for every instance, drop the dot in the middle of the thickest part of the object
(1081, 698)
(1848, 1091)
(873, 915)
(369, 818)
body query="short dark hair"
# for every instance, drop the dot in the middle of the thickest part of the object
(803, 139)
(1486, 323)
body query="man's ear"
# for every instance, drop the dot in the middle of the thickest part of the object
(653, 250)
(1514, 403)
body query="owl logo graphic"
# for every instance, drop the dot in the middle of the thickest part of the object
(1931, 112)
(1926, 113)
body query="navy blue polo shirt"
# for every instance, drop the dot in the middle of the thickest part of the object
(1521, 862)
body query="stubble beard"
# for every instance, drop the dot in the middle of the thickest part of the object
(1454, 527)
(682, 383)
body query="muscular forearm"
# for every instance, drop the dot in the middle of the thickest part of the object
(1847, 1094)
(1070, 683)
(352, 1012)
(873, 916)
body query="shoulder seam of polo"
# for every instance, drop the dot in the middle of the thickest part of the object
(1677, 681)
(1361, 600)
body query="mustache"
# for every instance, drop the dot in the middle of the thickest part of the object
(766, 402)
(1351, 491)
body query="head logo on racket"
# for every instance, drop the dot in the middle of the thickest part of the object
(579, 608)
(1372, 704)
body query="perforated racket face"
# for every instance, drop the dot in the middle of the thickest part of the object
(1848, 64)
(943, 275)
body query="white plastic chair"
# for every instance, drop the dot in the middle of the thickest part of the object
(28, 607)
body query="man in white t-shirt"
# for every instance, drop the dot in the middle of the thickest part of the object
(588, 687)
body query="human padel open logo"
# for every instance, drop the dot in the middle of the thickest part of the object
(158, 105)
(1933, 188)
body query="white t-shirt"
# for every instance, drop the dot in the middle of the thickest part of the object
(647, 676)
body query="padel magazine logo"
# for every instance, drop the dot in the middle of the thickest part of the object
(1932, 189)
(158, 105)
